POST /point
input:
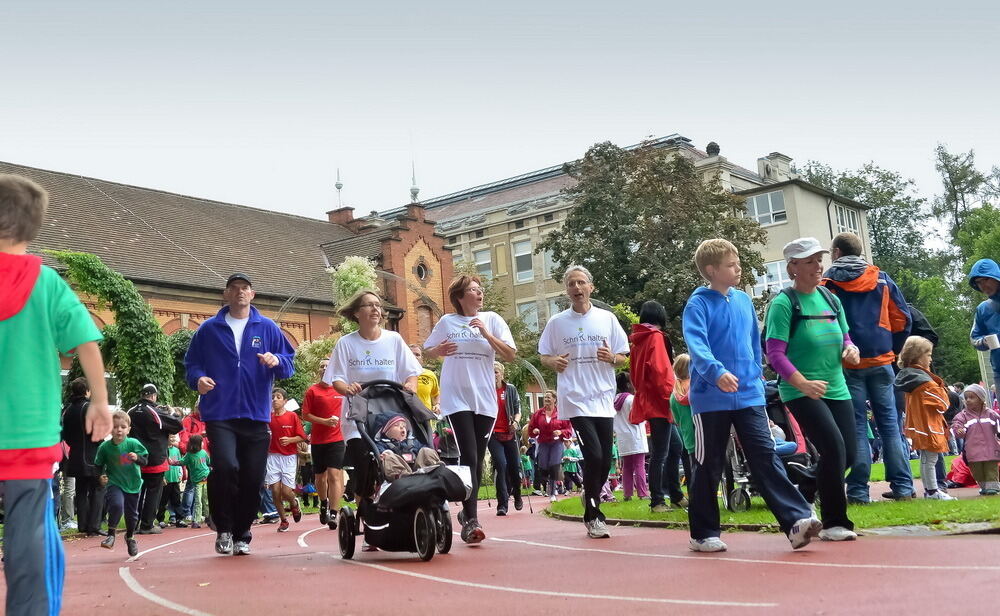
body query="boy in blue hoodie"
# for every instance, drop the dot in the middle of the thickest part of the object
(727, 390)
(985, 278)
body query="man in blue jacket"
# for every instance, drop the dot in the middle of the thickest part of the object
(232, 362)
(985, 278)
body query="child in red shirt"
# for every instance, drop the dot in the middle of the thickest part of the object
(282, 458)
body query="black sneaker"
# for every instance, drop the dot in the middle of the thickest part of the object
(897, 497)
(518, 501)
(133, 547)
(224, 543)
(109, 541)
(501, 511)
(472, 532)
(180, 524)
(324, 512)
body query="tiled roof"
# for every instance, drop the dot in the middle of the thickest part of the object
(160, 237)
(365, 245)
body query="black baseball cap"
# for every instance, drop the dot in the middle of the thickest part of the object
(239, 276)
(149, 388)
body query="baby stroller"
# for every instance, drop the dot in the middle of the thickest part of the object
(737, 481)
(411, 513)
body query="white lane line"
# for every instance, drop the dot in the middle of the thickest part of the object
(137, 588)
(555, 593)
(302, 538)
(755, 561)
(153, 549)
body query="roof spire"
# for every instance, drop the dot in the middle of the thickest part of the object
(414, 190)
(338, 186)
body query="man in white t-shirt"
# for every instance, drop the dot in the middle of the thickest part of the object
(583, 344)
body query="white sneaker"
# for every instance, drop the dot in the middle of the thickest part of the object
(837, 533)
(939, 495)
(712, 544)
(552, 499)
(803, 532)
(597, 529)
(241, 548)
(70, 524)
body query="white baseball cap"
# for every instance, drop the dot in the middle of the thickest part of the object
(802, 248)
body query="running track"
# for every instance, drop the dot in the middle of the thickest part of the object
(531, 564)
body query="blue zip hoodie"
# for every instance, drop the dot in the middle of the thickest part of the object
(723, 335)
(242, 384)
(987, 319)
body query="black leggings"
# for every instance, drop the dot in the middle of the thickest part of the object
(829, 426)
(596, 435)
(472, 432)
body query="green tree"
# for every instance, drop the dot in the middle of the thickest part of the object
(965, 187)
(897, 218)
(307, 358)
(354, 274)
(637, 219)
(494, 296)
(142, 354)
(179, 342)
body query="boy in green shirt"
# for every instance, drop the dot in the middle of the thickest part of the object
(571, 467)
(40, 317)
(170, 499)
(198, 466)
(121, 460)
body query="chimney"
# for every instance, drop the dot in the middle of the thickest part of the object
(343, 216)
(775, 167)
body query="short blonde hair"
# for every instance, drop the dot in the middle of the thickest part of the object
(914, 348)
(712, 252)
(682, 366)
(121, 417)
(354, 304)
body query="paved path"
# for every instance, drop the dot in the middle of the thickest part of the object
(535, 565)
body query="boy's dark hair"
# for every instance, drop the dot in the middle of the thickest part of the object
(78, 387)
(654, 313)
(195, 443)
(278, 390)
(623, 381)
(22, 207)
(960, 386)
(848, 244)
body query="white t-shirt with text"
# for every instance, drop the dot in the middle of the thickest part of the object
(356, 360)
(586, 388)
(467, 381)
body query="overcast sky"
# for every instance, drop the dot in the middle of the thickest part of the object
(259, 103)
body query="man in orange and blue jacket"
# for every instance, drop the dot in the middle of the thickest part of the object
(880, 322)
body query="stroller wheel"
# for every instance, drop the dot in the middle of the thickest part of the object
(424, 533)
(345, 532)
(444, 532)
(739, 500)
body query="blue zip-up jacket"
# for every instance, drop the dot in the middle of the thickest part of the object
(987, 319)
(242, 384)
(723, 335)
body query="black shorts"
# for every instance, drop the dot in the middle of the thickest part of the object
(328, 455)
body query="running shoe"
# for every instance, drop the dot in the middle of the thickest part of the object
(501, 511)
(195, 525)
(241, 548)
(324, 512)
(296, 511)
(472, 532)
(597, 529)
(711, 544)
(180, 524)
(890, 495)
(681, 504)
(553, 498)
(224, 543)
(939, 495)
(133, 547)
(804, 531)
(837, 533)
(283, 527)
(518, 501)
(661, 508)
(109, 541)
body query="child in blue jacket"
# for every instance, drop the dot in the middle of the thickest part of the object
(727, 390)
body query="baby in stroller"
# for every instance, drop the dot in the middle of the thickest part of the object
(399, 452)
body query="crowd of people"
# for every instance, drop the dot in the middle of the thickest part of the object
(842, 342)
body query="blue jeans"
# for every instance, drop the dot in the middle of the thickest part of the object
(875, 385)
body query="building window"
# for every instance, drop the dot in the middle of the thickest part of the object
(556, 305)
(548, 263)
(774, 279)
(547, 218)
(848, 220)
(421, 271)
(522, 261)
(479, 233)
(453, 239)
(767, 209)
(528, 312)
(457, 257)
(519, 224)
(484, 264)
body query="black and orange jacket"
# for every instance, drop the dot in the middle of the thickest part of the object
(875, 309)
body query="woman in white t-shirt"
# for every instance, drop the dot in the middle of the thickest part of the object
(583, 344)
(469, 341)
(368, 354)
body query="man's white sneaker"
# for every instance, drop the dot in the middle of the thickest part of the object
(939, 495)
(712, 544)
(803, 532)
(597, 529)
(837, 533)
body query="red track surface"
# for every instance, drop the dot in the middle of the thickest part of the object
(523, 567)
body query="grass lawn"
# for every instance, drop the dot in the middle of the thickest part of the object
(874, 515)
(878, 469)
